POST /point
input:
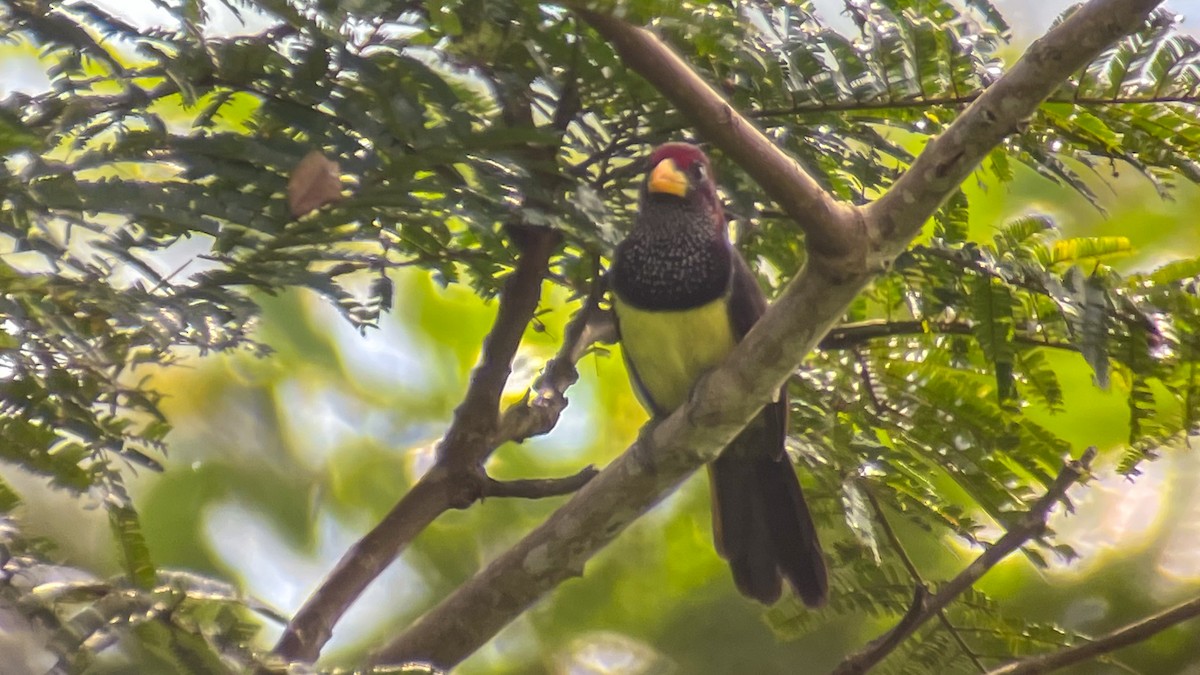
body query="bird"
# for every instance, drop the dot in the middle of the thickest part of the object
(682, 298)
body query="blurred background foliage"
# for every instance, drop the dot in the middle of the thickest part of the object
(204, 400)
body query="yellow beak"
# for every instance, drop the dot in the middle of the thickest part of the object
(666, 177)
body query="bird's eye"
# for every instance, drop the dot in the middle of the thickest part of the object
(698, 170)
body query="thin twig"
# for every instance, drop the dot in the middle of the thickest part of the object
(958, 639)
(914, 616)
(1122, 637)
(967, 99)
(538, 411)
(913, 572)
(767, 114)
(539, 488)
(1030, 526)
(851, 335)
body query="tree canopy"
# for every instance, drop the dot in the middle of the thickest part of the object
(175, 191)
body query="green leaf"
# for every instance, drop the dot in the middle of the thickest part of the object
(1087, 249)
(180, 651)
(15, 135)
(1017, 233)
(993, 303)
(127, 528)
(859, 517)
(952, 220)
(1042, 382)
(9, 499)
(1176, 270)
(1088, 313)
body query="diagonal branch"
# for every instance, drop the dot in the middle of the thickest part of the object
(1030, 526)
(922, 589)
(460, 452)
(828, 224)
(538, 412)
(947, 160)
(664, 456)
(1122, 637)
(841, 263)
(458, 478)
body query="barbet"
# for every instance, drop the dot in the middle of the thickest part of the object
(683, 298)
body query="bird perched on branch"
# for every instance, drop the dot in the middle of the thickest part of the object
(683, 298)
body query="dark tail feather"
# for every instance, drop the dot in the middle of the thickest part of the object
(762, 526)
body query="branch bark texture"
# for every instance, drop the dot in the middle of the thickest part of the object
(830, 226)
(848, 246)
(1122, 637)
(456, 479)
(896, 217)
(925, 607)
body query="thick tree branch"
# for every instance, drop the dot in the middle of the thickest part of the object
(829, 225)
(947, 160)
(455, 481)
(663, 457)
(841, 263)
(1030, 526)
(1122, 637)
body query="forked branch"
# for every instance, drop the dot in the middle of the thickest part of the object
(1028, 527)
(1122, 637)
(830, 226)
(453, 482)
(842, 262)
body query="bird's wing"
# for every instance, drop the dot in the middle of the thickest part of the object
(746, 304)
(747, 301)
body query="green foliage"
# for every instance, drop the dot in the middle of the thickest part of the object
(937, 406)
(1153, 65)
(994, 329)
(144, 218)
(180, 623)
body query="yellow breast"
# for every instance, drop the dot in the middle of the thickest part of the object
(670, 350)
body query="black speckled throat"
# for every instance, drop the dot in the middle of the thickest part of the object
(675, 258)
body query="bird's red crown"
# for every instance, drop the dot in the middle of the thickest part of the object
(683, 154)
